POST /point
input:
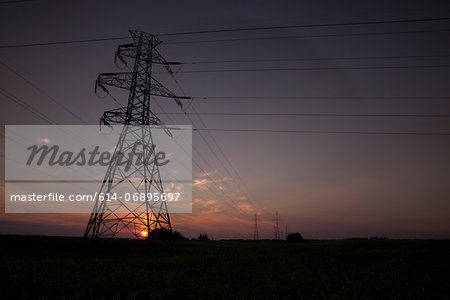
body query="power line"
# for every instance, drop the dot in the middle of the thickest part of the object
(215, 154)
(310, 26)
(35, 112)
(206, 174)
(229, 162)
(217, 145)
(248, 39)
(325, 132)
(63, 42)
(313, 69)
(313, 59)
(26, 106)
(230, 30)
(43, 92)
(15, 1)
(319, 97)
(313, 114)
(233, 203)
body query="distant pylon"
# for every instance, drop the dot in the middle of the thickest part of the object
(255, 232)
(276, 228)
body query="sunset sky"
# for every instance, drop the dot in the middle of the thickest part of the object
(343, 171)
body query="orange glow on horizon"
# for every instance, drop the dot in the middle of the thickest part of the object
(144, 233)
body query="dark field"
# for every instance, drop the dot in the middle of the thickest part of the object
(50, 267)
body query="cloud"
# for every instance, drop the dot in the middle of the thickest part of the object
(207, 173)
(205, 207)
(44, 140)
(245, 208)
(203, 183)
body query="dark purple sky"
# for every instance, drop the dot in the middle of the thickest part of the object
(325, 185)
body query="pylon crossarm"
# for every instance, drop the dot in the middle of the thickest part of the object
(130, 51)
(121, 80)
(125, 50)
(115, 116)
(160, 90)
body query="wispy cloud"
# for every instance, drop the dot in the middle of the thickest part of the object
(245, 208)
(207, 173)
(203, 183)
(44, 140)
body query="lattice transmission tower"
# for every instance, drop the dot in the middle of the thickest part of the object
(148, 216)
(255, 229)
(276, 228)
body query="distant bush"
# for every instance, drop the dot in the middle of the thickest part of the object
(378, 238)
(295, 238)
(203, 237)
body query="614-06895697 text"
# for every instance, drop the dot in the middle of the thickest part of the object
(140, 197)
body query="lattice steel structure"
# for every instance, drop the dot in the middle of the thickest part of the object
(276, 228)
(255, 229)
(148, 216)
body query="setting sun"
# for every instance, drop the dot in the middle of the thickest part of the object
(144, 233)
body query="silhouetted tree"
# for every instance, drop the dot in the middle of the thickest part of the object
(378, 238)
(295, 238)
(356, 239)
(164, 234)
(203, 237)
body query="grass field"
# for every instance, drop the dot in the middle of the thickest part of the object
(55, 267)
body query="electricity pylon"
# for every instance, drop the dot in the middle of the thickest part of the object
(276, 228)
(147, 216)
(255, 231)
